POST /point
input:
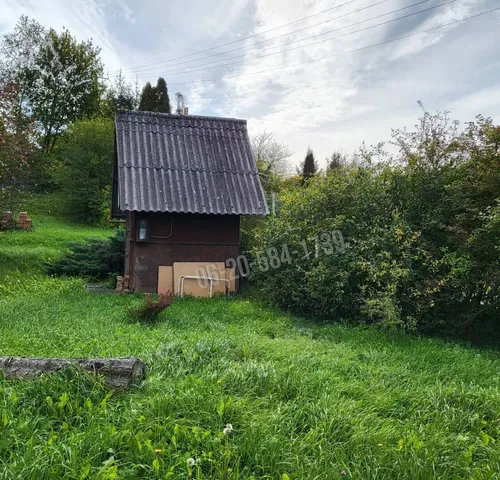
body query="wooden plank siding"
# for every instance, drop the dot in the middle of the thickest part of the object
(183, 237)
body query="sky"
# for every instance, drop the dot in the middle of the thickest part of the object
(324, 74)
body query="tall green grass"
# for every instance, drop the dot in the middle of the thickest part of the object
(306, 401)
(23, 255)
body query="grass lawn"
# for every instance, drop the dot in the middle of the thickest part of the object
(305, 401)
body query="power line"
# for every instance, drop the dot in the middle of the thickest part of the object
(385, 42)
(145, 70)
(180, 72)
(245, 38)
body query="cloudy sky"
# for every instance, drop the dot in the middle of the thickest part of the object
(310, 81)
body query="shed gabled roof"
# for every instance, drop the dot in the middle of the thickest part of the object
(189, 164)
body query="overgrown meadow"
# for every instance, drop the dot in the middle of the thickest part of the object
(304, 400)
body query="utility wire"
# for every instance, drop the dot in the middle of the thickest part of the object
(189, 70)
(249, 36)
(342, 53)
(144, 70)
(139, 69)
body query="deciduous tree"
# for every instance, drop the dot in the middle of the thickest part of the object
(181, 102)
(58, 76)
(271, 153)
(17, 147)
(85, 177)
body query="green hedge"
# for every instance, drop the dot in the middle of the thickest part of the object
(422, 240)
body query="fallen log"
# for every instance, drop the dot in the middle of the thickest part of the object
(119, 373)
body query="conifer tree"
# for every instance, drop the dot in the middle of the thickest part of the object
(162, 99)
(336, 161)
(309, 167)
(148, 99)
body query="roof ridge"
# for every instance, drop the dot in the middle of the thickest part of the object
(140, 113)
(177, 127)
(137, 167)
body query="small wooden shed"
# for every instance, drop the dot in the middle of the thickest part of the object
(182, 182)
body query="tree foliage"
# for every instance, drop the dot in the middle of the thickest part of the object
(17, 148)
(181, 103)
(18, 52)
(162, 98)
(309, 166)
(121, 95)
(148, 99)
(421, 232)
(96, 259)
(58, 76)
(86, 169)
(432, 144)
(271, 158)
(155, 99)
(336, 160)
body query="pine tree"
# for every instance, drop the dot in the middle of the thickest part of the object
(162, 99)
(336, 161)
(124, 97)
(118, 96)
(309, 167)
(148, 99)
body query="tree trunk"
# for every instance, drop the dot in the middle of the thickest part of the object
(54, 138)
(46, 140)
(119, 373)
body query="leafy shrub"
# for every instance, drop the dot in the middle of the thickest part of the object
(421, 231)
(149, 311)
(96, 259)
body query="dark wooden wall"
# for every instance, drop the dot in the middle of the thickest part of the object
(178, 238)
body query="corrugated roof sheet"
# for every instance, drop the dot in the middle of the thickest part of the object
(186, 163)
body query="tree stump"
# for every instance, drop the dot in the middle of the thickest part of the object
(119, 373)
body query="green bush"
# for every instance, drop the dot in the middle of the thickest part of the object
(95, 259)
(421, 233)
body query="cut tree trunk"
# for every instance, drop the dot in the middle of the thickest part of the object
(119, 373)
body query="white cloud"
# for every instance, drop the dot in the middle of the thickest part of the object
(338, 103)
(128, 13)
(485, 101)
(84, 19)
(199, 97)
(328, 104)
